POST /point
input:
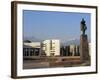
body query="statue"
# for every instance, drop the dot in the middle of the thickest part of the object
(84, 48)
(83, 26)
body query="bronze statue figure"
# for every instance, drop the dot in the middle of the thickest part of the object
(83, 26)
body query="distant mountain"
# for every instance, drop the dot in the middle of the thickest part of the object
(63, 43)
(74, 41)
(32, 38)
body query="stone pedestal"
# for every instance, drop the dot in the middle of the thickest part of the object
(84, 48)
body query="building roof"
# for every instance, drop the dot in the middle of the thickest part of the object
(27, 46)
(33, 44)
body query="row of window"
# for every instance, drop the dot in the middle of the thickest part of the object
(31, 51)
(69, 52)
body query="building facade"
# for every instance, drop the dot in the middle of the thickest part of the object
(74, 50)
(89, 44)
(31, 49)
(70, 50)
(51, 47)
(64, 51)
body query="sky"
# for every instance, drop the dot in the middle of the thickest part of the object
(64, 26)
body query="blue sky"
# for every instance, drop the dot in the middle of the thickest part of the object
(54, 25)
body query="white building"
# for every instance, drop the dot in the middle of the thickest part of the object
(89, 49)
(74, 50)
(51, 47)
(31, 48)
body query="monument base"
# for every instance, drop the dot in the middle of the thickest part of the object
(84, 48)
